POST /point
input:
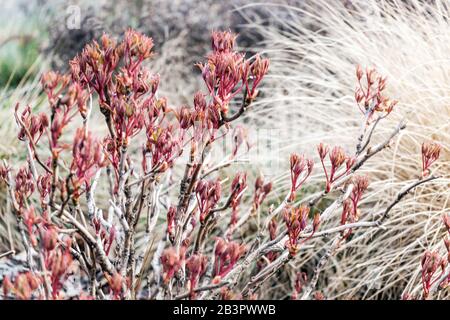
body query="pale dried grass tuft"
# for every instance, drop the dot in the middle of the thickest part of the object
(309, 98)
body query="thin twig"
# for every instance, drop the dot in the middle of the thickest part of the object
(204, 288)
(7, 253)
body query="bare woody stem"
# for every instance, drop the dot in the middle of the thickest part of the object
(244, 105)
(200, 289)
(360, 162)
(186, 189)
(31, 144)
(321, 264)
(96, 244)
(404, 193)
(7, 253)
(107, 114)
(369, 136)
(256, 281)
(338, 239)
(210, 221)
(364, 126)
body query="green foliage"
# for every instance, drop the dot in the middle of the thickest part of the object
(17, 57)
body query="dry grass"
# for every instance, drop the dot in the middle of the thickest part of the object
(309, 99)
